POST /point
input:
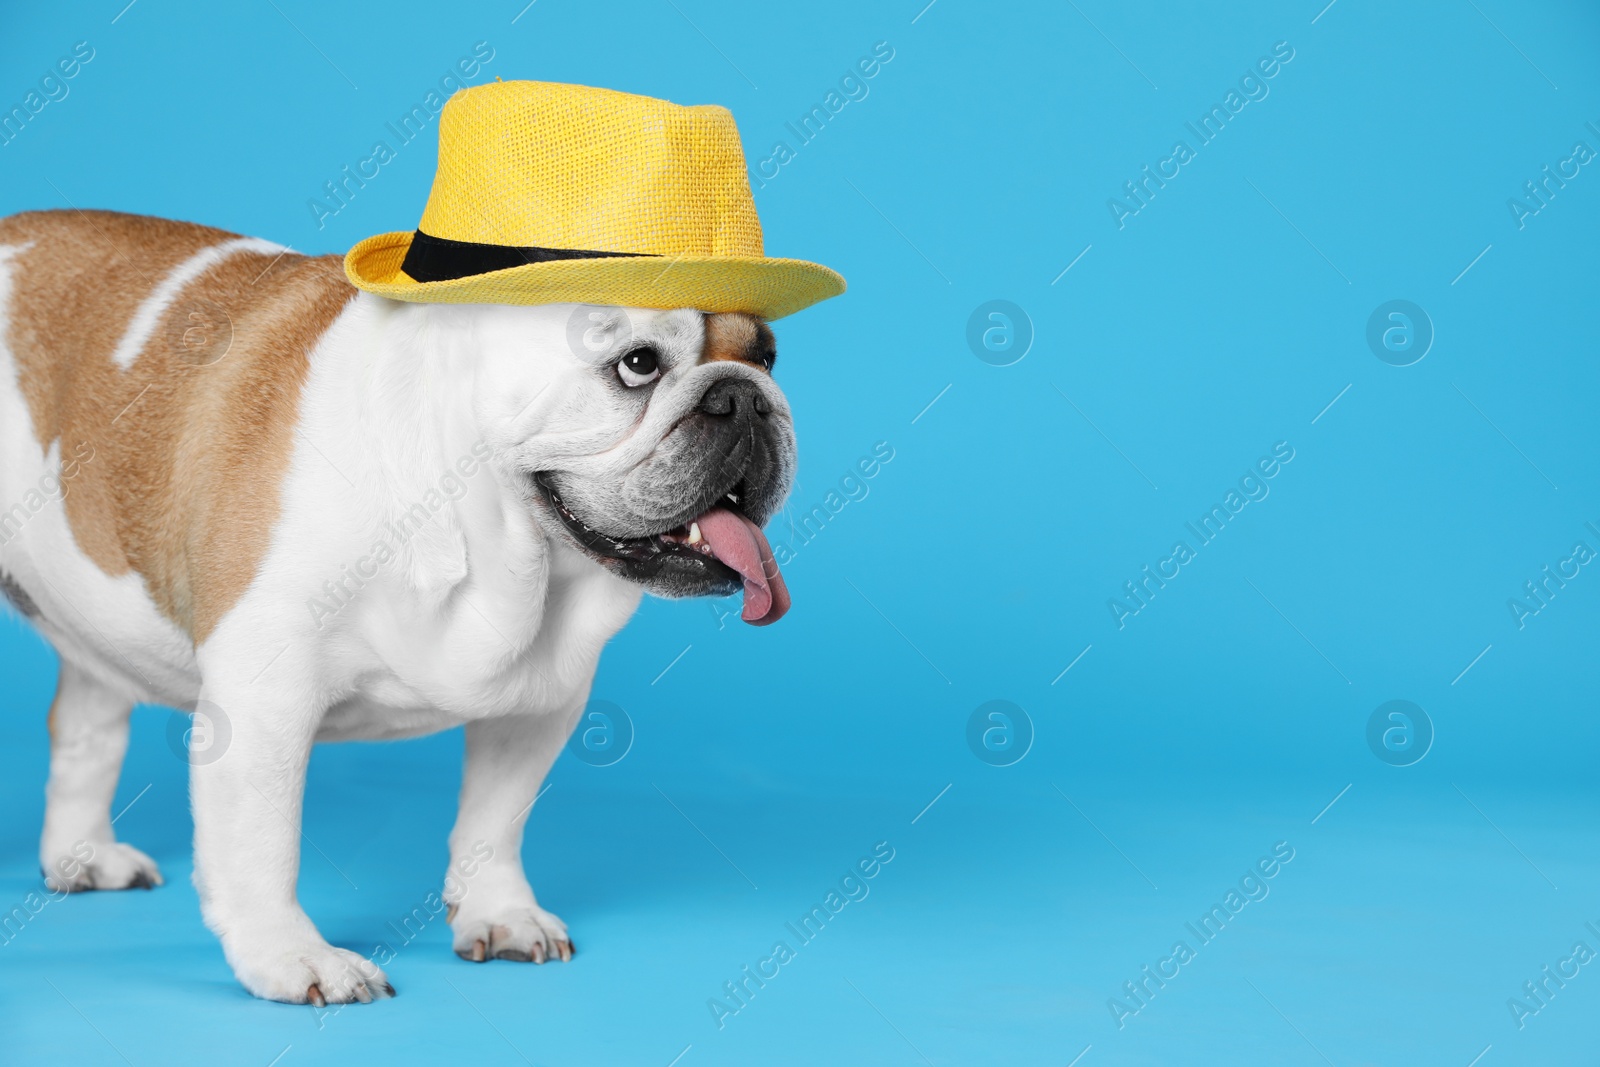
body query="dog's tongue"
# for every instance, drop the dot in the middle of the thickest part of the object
(739, 543)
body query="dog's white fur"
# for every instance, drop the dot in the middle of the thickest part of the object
(488, 617)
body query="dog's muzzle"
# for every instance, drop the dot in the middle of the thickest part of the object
(687, 521)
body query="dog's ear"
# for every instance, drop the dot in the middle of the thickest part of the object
(739, 337)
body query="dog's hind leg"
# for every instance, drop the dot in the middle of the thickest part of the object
(88, 738)
(493, 912)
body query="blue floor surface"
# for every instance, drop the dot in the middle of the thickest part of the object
(1400, 916)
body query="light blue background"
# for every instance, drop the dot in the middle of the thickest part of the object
(1223, 318)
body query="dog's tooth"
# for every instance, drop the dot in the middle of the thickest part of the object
(694, 533)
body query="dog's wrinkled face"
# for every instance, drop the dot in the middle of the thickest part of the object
(655, 442)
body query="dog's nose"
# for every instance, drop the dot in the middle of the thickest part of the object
(735, 396)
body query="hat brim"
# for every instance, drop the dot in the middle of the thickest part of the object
(770, 288)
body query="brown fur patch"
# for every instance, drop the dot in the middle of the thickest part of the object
(181, 457)
(738, 336)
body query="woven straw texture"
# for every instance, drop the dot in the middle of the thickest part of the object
(566, 166)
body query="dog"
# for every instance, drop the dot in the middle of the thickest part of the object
(365, 519)
(308, 499)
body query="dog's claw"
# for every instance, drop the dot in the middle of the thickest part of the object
(528, 935)
(389, 990)
(146, 880)
(314, 996)
(363, 994)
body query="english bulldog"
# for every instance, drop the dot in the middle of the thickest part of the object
(232, 482)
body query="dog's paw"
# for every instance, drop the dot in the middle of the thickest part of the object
(527, 934)
(310, 972)
(112, 866)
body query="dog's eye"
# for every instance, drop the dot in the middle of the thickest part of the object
(639, 367)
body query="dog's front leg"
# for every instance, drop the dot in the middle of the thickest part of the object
(246, 792)
(493, 912)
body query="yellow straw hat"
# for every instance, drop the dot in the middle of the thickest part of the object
(551, 193)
